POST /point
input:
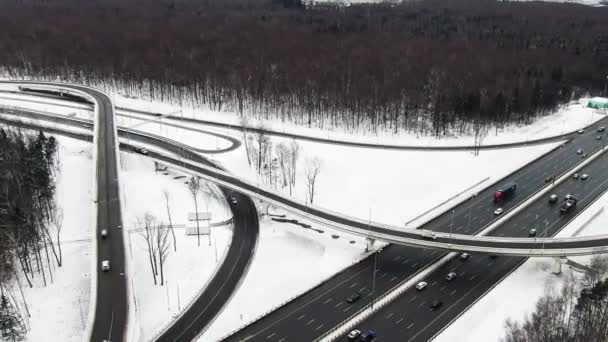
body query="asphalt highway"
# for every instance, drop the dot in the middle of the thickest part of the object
(398, 263)
(555, 163)
(410, 318)
(221, 287)
(201, 312)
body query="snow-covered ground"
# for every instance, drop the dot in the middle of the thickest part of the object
(61, 308)
(524, 286)
(305, 257)
(567, 119)
(188, 269)
(388, 186)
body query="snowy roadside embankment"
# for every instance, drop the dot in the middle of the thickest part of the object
(189, 267)
(525, 285)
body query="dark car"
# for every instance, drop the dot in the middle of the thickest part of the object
(368, 336)
(549, 179)
(353, 298)
(436, 304)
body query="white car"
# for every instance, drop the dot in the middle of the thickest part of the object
(354, 334)
(105, 265)
(104, 233)
(421, 285)
(580, 131)
(498, 211)
(575, 176)
(584, 176)
(579, 151)
(450, 276)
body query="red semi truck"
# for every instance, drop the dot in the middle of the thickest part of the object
(505, 191)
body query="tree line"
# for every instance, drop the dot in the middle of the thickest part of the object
(432, 67)
(30, 221)
(576, 313)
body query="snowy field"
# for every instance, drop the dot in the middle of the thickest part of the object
(524, 286)
(60, 309)
(188, 269)
(567, 119)
(386, 186)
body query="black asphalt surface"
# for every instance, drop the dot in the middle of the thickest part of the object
(409, 318)
(111, 308)
(217, 293)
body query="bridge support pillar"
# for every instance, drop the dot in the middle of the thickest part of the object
(557, 265)
(370, 244)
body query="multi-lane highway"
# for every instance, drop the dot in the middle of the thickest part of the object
(531, 179)
(310, 316)
(410, 316)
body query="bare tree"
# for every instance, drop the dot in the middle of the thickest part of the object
(313, 167)
(244, 122)
(166, 195)
(263, 144)
(146, 229)
(162, 248)
(293, 161)
(57, 223)
(283, 158)
(194, 185)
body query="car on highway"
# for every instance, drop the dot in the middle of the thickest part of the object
(599, 137)
(450, 276)
(568, 196)
(421, 285)
(105, 265)
(498, 211)
(87, 126)
(584, 155)
(429, 235)
(141, 150)
(549, 179)
(584, 176)
(532, 233)
(464, 256)
(104, 233)
(579, 151)
(354, 335)
(601, 129)
(575, 176)
(553, 198)
(436, 304)
(233, 200)
(368, 336)
(580, 131)
(353, 297)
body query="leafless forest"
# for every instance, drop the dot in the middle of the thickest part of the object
(576, 313)
(430, 66)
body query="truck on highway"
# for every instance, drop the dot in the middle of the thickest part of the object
(568, 205)
(504, 192)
